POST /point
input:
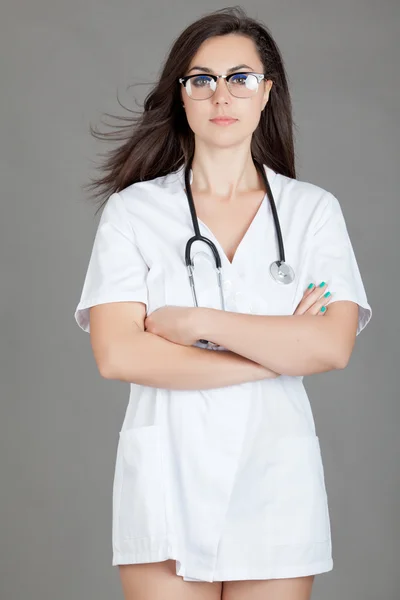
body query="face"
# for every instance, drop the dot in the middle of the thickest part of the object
(219, 54)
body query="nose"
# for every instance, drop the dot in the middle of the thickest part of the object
(221, 93)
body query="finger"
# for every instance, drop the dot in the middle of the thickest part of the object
(315, 307)
(319, 289)
(310, 298)
(304, 305)
(317, 293)
(322, 303)
(309, 290)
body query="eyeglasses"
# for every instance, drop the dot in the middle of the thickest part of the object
(240, 85)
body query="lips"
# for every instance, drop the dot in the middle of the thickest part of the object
(223, 120)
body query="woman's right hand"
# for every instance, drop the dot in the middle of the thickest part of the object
(313, 300)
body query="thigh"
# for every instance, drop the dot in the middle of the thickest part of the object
(159, 581)
(295, 588)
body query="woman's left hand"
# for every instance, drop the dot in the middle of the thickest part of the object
(177, 324)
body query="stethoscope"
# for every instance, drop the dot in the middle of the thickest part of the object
(279, 270)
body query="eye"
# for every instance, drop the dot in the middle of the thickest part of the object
(201, 80)
(239, 79)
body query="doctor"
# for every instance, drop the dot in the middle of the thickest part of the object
(219, 485)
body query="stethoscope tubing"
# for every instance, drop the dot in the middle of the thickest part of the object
(197, 235)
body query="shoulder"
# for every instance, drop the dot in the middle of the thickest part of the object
(150, 195)
(153, 188)
(304, 200)
(302, 191)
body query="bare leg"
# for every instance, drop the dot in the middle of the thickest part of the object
(295, 588)
(159, 581)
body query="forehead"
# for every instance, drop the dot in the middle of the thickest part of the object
(223, 52)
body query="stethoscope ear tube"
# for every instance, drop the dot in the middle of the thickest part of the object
(261, 170)
(189, 195)
(279, 270)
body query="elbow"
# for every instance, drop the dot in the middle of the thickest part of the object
(106, 373)
(344, 352)
(101, 353)
(342, 360)
(106, 370)
(342, 343)
(121, 361)
(105, 365)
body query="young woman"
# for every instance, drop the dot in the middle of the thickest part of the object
(219, 485)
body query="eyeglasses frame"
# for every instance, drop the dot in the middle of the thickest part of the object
(183, 80)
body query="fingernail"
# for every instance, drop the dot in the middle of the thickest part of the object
(310, 286)
(322, 284)
(327, 294)
(323, 308)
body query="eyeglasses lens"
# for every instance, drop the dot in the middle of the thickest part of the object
(241, 85)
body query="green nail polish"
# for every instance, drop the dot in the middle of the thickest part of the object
(310, 286)
(323, 308)
(327, 294)
(322, 284)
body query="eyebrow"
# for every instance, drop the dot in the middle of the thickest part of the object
(231, 70)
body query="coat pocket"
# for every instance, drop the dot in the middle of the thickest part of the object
(300, 513)
(142, 497)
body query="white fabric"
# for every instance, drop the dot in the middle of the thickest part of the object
(229, 482)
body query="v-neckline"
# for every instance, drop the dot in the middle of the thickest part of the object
(242, 241)
(268, 171)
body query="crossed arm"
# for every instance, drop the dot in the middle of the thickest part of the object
(299, 344)
(158, 350)
(290, 345)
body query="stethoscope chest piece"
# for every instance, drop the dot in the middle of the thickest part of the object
(281, 272)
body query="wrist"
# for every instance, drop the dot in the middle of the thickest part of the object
(200, 322)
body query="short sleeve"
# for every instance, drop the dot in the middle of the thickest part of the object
(117, 271)
(331, 259)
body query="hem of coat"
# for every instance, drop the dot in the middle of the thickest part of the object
(81, 314)
(160, 552)
(164, 553)
(285, 572)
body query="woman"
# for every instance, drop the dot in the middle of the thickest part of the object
(219, 485)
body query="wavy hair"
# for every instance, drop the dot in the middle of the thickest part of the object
(159, 140)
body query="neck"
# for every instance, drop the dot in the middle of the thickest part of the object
(224, 174)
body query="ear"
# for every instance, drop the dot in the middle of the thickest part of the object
(268, 86)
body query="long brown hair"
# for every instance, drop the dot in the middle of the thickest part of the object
(159, 139)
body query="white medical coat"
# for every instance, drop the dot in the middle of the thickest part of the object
(229, 482)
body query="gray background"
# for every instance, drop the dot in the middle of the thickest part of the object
(62, 65)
